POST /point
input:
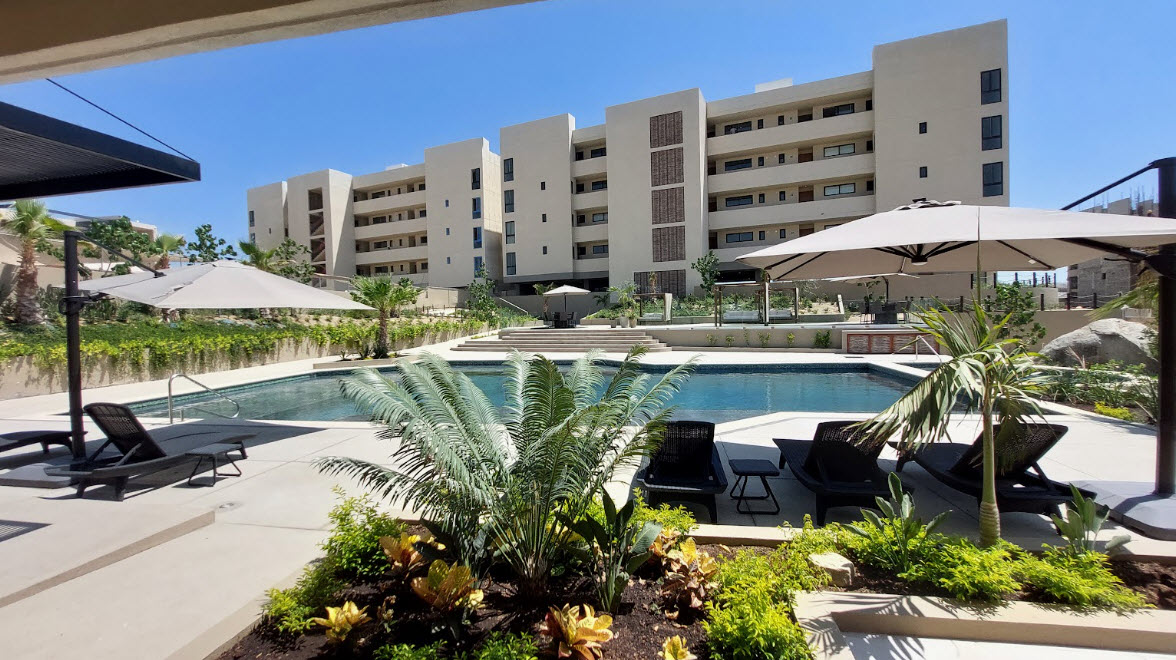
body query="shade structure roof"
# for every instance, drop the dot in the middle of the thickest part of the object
(941, 238)
(217, 285)
(41, 156)
(567, 290)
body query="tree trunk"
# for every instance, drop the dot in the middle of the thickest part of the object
(163, 262)
(989, 513)
(28, 312)
(382, 348)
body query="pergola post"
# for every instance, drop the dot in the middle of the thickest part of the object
(1166, 426)
(72, 307)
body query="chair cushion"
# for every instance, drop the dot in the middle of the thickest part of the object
(752, 467)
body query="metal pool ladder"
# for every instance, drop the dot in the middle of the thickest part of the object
(171, 409)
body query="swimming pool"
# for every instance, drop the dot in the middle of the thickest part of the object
(714, 393)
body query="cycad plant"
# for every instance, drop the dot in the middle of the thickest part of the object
(986, 374)
(32, 226)
(500, 481)
(386, 297)
(258, 257)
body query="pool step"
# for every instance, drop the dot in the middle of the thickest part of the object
(611, 340)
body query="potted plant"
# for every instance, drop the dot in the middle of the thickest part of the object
(631, 313)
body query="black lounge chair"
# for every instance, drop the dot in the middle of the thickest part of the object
(1021, 484)
(19, 439)
(838, 470)
(686, 467)
(141, 453)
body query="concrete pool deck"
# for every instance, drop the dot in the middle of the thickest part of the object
(194, 562)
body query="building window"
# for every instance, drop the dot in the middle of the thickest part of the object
(597, 152)
(990, 86)
(600, 217)
(869, 185)
(579, 187)
(739, 237)
(544, 249)
(783, 195)
(447, 203)
(783, 233)
(600, 249)
(740, 127)
(991, 133)
(840, 150)
(922, 127)
(508, 169)
(379, 245)
(448, 260)
(508, 201)
(993, 179)
(780, 120)
(869, 145)
(476, 178)
(837, 110)
(759, 123)
(424, 240)
(252, 238)
(761, 198)
(762, 234)
(251, 218)
(743, 200)
(759, 161)
(542, 185)
(581, 251)
(869, 104)
(922, 171)
(781, 159)
(600, 185)
(544, 217)
(733, 165)
(477, 207)
(841, 189)
(509, 232)
(478, 266)
(580, 219)
(579, 155)
(477, 237)
(510, 263)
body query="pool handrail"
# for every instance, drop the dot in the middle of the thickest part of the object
(171, 409)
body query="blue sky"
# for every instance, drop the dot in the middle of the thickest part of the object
(1090, 87)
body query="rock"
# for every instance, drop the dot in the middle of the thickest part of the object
(839, 568)
(1103, 341)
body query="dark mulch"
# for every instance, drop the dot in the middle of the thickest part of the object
(639, 627)
(1157, 582)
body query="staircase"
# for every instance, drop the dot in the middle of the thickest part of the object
(575, 340)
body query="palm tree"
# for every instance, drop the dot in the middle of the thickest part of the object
(540, 290)
(496, 481)
(382, 295)
(257, 257)
(994, 376)
(30, 223)
(166, 245)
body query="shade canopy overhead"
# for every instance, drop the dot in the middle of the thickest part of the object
(41, 156)
(567, 290)
(935, 238)
(217, 285)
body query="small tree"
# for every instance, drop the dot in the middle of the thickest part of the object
(481, 291)
(165, 246)
(541, 290)
(708, 269)
(30, 223)
(207, 247)
(382, 295)
(119, 234)
(1016, 301)
(293, 261)
(257, 257)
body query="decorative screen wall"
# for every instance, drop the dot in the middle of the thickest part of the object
(665, 130)
(669, 243)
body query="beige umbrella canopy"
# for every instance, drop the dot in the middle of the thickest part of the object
(217, 285)
(565, 291)
(935, 238)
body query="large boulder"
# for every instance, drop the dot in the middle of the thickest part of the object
(1103, 341)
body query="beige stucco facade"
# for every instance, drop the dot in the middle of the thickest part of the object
(665, 179)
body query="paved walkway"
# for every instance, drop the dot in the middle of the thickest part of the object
(175, 570)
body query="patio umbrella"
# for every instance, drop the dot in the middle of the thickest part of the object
(565, 291)
(217, 285)
(932, 237)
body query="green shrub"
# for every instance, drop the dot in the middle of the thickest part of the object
(823, 339)
(407, 652)
(895, 540)
(289, 610)
(1118, 413)
(1080, 579)
(965, 571)
(678, 518)
(504, 646)
(356, 528)
(753, 625)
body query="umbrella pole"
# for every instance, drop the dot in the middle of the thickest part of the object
(1166, 431)
(73, 344)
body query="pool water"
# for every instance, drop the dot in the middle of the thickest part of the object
(716, 394)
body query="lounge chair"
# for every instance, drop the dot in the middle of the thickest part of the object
(686, 467)
(838, 470)
(19, 439)
(141, 453)
(1021, 484)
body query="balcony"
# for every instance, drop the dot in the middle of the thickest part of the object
(595, 199)
(777, 214)
(589, 232)
(589, 166)
(385, 229)
(776, 176)
(415, 253)
(382, 205)
(788, 135)
(590, 263)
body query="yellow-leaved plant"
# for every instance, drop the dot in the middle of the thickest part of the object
(674, 648)
(575, 635)
(402, 553)
(689, 578)
(448, 588)
(340, 620)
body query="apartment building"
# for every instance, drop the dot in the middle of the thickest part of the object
(1099, 280)
(666, 179)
